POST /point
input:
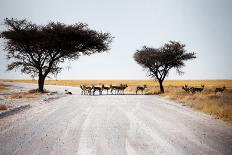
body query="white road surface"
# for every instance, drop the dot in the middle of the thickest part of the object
(112, 125)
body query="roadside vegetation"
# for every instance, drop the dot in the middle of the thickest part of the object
(3, 87)
(3, 106)
(26, 95)
(7, 97)
(21, 95)
(217, 104)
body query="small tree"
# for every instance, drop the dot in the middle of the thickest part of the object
(159, 61)
(39, 50)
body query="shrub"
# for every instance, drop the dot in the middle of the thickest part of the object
(3, 107)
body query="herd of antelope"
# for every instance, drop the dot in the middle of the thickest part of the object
(114, 89)
(200, 89)
(120, 89)
(91, 90)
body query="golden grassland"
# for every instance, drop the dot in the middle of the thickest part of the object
(219, 105)
(131, 83)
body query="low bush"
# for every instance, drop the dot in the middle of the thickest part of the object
(3, 107)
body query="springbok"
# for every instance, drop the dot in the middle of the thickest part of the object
(115, 88)
(185, 88)
(105, 88)
(122, 88)
(83, 89)
(220, 89)
(88, 90)
(141, 88)
(197, 89)
(99, 89)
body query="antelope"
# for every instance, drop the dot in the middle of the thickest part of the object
(220, 89)
(88, 90)
(115, 88)
(68, 92)
(197, 89)
(105, 88)
(99, 89)
(140, 88)
(185, 88)
(122, 88)
(83, 89)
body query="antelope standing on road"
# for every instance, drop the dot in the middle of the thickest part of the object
(88, 90)
(220, 89)
(96, 88)
(83, 89)
(141, 88)
(105, 88)
(115, 88)
(122, 88)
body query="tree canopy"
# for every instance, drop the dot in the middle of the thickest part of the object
(159, 61)
(39, 50)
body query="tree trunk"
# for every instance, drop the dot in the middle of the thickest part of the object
(41, 83)
(161, 86)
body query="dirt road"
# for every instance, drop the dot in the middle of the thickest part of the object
(111, 124)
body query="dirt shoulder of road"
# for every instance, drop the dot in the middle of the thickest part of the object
(15, 98)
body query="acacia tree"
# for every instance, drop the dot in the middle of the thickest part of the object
(159, 61)
(39, 50)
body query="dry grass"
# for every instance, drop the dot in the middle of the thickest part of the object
(26, 95)
(208, 83)
(23, 95)
(37, 91)
(3, 107)
(219, 105)
(3, 87)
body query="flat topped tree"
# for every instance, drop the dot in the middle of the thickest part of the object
(159, 61)
(39, 50)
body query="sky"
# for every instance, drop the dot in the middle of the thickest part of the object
(205, 26)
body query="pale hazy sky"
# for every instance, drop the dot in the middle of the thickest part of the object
(205, 26)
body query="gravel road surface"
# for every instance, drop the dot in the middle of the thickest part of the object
(112, 125)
